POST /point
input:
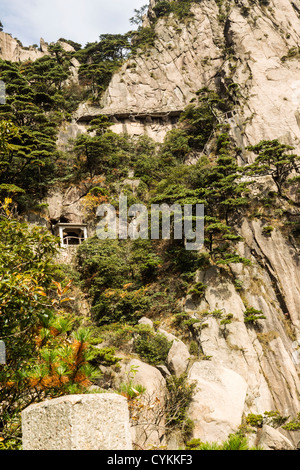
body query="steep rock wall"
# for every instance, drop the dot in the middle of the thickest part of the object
(250, 369)
(263, 355)
(245, 41)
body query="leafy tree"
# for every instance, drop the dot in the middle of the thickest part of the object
(176, 147)
(46, 356)
(181, 8)
(102, 153)
(162, 8)
(212, 183)
(36, 104)
(143, 38)
(100, 124)
(252, 315)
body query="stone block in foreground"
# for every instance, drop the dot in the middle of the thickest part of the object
(78, 422)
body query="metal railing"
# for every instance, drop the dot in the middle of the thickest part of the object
(73, 241)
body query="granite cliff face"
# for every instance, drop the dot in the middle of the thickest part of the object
(252, 47)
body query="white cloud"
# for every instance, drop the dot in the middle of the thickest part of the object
(80, 20)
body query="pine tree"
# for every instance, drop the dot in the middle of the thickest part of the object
(274, 159)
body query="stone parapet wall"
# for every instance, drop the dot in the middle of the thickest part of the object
(78, 422)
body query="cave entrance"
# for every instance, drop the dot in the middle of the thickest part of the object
(71, 234)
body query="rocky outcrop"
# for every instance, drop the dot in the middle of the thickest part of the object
(179, 357)
(249, 44)
(269, 438)
(166, 78)
(65, 206)
(262, 354)
(12, 50)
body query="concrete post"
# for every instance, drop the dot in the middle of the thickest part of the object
(78, 422)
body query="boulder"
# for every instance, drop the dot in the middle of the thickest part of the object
(179, 357)
(147, 412)
(146, 375)
(218, 404)
(146, 321)
(273, 439)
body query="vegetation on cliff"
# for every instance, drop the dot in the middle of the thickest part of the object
(49, 352)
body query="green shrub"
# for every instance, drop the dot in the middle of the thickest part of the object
(162, 8)
(129, 389)
(152, 347)
(227, 320)
(198, 289)
(116, 335)
(217, 313)
(254, 420)
(275, 419)
(272, 418)
(180, 8)
(238, 284)
(116, 275)
(121, 306)
(234, 442)
(194, 348)
(104, 356)
(143, 39)
(180, 393)
(293, 425)
(267, 230)
(252, 315)
(193, 444)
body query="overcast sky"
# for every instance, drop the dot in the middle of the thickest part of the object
(80, 20)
